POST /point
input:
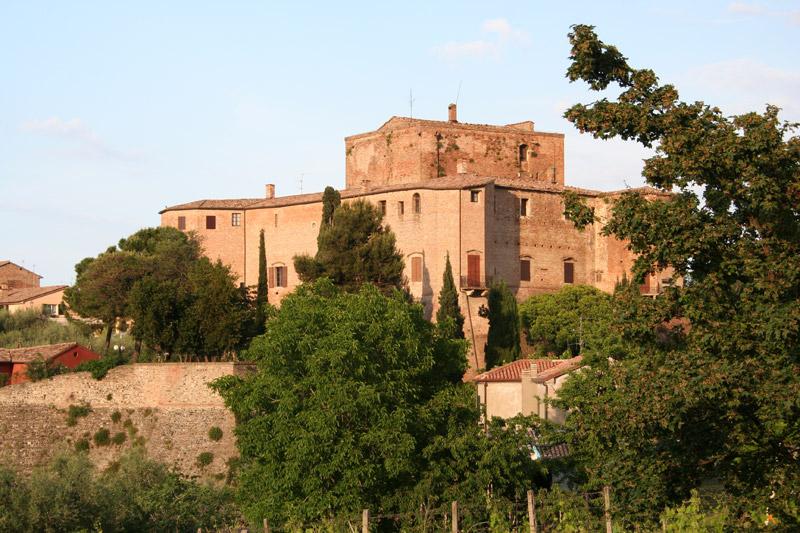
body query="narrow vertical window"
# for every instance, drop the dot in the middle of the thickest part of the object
(523, 153)
(181, 223)
(474, 196)
(524, 269)
(211, 222)
(416, 269)
(382, 207)
(401, 209)
(569, 272)
(473, 270)
(415, 203)
(236, 219)
(523, 207)
(276, 220)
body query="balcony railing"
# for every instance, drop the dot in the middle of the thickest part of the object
(476, 282)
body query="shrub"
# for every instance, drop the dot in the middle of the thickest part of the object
(204, 459)
(82, 445)
(74, 412)
(215, 433)
(116, 416)
(119, 438)
(100, 367)
(3, 380)
(38, 369)
(102, 437)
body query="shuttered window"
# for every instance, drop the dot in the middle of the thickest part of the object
(181, 223)
(211, 222)
(569, 272)
(524, 269)
(416, 269)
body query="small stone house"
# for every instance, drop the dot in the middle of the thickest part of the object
(525, 387)
(14, 361)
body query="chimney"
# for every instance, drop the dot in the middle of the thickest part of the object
(270, 190)
(451, 113)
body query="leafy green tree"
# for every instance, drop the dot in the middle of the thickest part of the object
(157, 307)
(331, 200)
(215, 319)
(718, 399)
(355, 249)
(502, 343)
(102, 287)
(349, 409)
(570, 321)
(262, 291)
(449, 317)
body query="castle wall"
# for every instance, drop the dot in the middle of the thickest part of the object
(407, 151)
(166, 407)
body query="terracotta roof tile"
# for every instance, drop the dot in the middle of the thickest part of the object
(15, 296)
(31, 353)
(545, 369)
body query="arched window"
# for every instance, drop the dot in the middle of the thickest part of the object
(415, 203)
(523, 152)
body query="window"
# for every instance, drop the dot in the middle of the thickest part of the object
(276, 220)
(474, 196)
(523, 153)
(569, 272)
(236, 219)
(473, 270)
(382, 207)
(416, 269)
(181, 223)
(523, 207)
(524, 269)
(50, 309)
(401, 208)
(211, 222)
(278, 276)
(415, 203)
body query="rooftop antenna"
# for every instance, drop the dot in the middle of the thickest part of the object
(301, 181)
(458, 93)
(410, 103)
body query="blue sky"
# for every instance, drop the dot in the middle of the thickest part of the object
(109, 112)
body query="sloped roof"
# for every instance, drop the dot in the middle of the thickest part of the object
(545, 369)
(24, 294)
(5, 262)
(31, 353)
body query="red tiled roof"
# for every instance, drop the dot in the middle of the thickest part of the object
(15, 296)
(31, 353)
(545, 369)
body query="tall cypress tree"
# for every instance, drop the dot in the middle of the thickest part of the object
(261, 293)
(502, 344)
(449, 319)
(331, 199)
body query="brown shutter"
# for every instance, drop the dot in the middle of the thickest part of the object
(416, 269)
(181, 223)
(569, 272)
(474, 270)
(271, 276)
(211, 222)
(524, 270)
(284, 275)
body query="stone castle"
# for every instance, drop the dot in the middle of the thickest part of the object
(489, 196)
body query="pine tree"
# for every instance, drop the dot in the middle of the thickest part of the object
(449, 318)
(502, 344)
(261, 292)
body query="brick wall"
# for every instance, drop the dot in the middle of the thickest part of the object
(169, 406)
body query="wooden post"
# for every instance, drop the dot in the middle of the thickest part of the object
(607, 507)
(454, 513)
(365, 521)
(266, 526)
(532, 511)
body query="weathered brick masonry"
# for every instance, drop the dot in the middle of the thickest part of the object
(169, 405)
(489, 196)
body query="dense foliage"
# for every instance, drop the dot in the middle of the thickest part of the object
(355, 248)
(358, 403)
(502, 343)
(449, 318)
(571, 321)
(331, 200)
(180, 302)
(262, 290)
(133, 494)
(709, 385)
